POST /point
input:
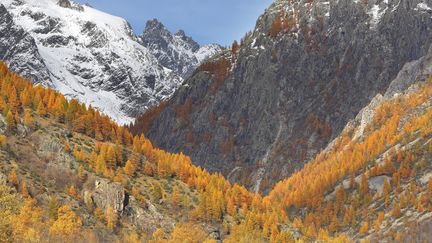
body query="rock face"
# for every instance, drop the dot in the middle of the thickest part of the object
(109, 194)
(90, 55)
(23, 56)
(147, 219)
(306, 70)
(178, 51)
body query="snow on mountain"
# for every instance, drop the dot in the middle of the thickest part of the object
(178, 51)
(24, 48)
(96, 58)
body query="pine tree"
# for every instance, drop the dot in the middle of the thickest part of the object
(72, 192)
(41, 110)
(13, 178)
(67, 226)
(364, 228)
(386, 192)
(129, 168)
(13, 101)
(10, 120)
(175, 197)
(148, 169)
(24, 190)
(111, 157)
(100, 164)
(111, 218)
(28, 119)
(396, 212)
(81, 174)
(234, 47)
(53, 207)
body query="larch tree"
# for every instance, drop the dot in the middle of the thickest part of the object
(175, 196)
(67, 226)
(28, 119)
(129, 168)
(111, 218)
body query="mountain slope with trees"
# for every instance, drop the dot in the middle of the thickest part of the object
(90, 55)
(259, 112)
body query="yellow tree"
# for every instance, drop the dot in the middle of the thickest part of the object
(13, 178)
(111, 218)
(175, 197)
(28, 119)
(188, 232)
(24, 190)
(129, 168)
(72, 192)
(53, 207)
(111, 157)
(27, 225)
(41, 110)
(386, 192)
(81, 174)
(10, 120)
(100, 164)
(67, 226)
(158, 236)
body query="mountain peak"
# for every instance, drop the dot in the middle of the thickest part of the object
(155, 24)
(177, 51)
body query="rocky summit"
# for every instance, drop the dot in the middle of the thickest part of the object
(259, 112)
(178, 51)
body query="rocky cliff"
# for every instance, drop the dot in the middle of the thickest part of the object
(258, 113)
(24, 48)
(178, 51)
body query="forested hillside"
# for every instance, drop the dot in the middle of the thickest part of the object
(69, 173)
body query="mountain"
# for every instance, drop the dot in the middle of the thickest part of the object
(89, 55)
(24, 48)
(177, 51)
(257, 113)
(374, 179)
(70, 174)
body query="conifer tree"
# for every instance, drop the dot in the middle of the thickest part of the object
(175, 197)
(28, 119)
(111, 218)
(10, 120)
(129, 168)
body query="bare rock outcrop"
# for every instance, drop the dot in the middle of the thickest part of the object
(109, 194)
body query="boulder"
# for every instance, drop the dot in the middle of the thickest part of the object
(109, 194)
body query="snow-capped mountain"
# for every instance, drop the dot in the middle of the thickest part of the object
(89, 55)
(24, 48)
(178, 51)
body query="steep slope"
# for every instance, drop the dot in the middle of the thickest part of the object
(93, 56)
(82, 178)
(374, 181)
(177, 51)
(70, 174)
(23, 56)
(258, 113)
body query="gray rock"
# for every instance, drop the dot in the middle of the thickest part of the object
(3, 179)
(178, 51)
(148, 219)
(18, 49)
(287, 97)
(109, 194)
(418, 70)
(64, 3)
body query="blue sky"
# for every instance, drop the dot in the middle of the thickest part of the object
(207, 21)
